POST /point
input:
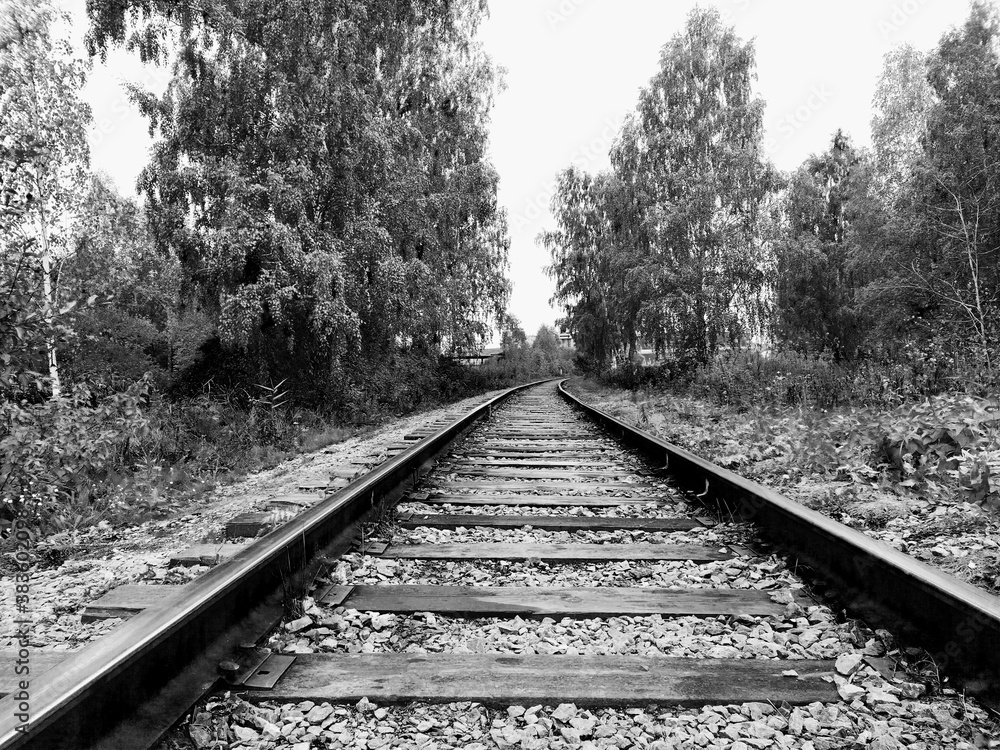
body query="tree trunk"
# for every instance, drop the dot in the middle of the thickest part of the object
(43, 235)
(50, 306)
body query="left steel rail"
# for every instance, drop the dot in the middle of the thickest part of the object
(87, 697)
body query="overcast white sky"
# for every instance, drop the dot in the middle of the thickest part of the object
(574, 70)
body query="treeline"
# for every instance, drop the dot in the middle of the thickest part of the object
(693, 245)
(318, 226)
(545, 356)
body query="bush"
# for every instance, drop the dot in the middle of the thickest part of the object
(747, 378)
(101, 454)
(750, 378)
(59, 458)
(110, 350)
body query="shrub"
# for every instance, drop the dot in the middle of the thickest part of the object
(59, 456)
(745, 378)
(102, 454)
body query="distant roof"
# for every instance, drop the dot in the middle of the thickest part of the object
(487, 351)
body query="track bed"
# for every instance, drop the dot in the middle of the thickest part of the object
(543, 586)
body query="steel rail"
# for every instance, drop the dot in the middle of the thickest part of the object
(83, 699)
(957, 622)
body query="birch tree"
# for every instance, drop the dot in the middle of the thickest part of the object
(938, 254)
(322, 177)
(815, 283)
(902, 103)
(703, 179)
(668, 247)
(40, 81)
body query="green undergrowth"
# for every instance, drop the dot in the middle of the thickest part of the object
(103, 456)
(945, 448)
(135, 455)
(750, 379)
(915, 475)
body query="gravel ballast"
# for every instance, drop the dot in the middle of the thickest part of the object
(883, 706)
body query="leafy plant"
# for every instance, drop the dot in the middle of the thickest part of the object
(57, 456)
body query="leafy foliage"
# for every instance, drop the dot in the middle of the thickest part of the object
(931, 245)
(884, 261)
(694, 154)
(668, 249)
(44, 123)
(523, 362)
(133, 328)
(940, 450)
(56, 454)
(815, 283)
(320, 226)
(584, 265)
(322, 179)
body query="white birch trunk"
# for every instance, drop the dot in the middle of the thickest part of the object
(50, 306)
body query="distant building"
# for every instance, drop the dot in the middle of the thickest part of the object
(648, 356)
(566, 340)
(494, 352)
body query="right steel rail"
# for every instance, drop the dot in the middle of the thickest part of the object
(957, 622)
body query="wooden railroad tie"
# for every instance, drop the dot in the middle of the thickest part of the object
(548, 523)
(469, 601)
(541, 473)
(249, 525)
(526, 462)
(296, 501)
(130, 599)
(587, 681)
(537, 602)
(313, 485)
(527, 451)
(539, 501)
(555, 437)
(561, 553)
(207, 554)
(541, 487)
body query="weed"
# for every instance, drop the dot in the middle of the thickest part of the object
(313, 440)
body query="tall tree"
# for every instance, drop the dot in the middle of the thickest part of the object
(23, 329)
(546, 340)
(816, 284)
(939, 247)
(962, 176)
(582, 265)
(700, 173)
(669, 248)
(322, 177)
(625, 203)
(41, 80)
(444, 221)
(114, 260)
(901, 105)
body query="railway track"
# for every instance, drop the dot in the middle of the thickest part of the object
(527, 561)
